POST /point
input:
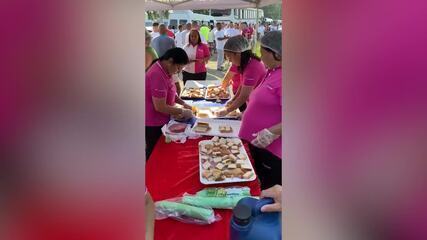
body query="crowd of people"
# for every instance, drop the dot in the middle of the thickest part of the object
(256, 83)
(213, 36)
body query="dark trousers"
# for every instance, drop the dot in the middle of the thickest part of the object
(268, 167)
(152, 135)
(193, 76)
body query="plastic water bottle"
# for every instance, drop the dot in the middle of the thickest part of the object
(249, 223)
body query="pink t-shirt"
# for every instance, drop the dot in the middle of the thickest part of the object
(247, 32)
(264, 110)
(254, 73)
(236, 80)
(159, 84)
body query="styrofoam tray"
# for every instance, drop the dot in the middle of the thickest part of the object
(201, 84)
(230, 94)
(215, 123)
(210, 112)
(171, 122)
(184, 94)
(228, 180)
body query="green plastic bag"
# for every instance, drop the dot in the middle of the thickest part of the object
(225, 192)
(212, 202)
(185, 213)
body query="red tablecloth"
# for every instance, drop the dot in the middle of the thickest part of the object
(171, 171)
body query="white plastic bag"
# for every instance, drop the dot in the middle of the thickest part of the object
(178, 137)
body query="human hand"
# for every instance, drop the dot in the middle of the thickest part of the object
(223, 112)
(187, 113)
(178, 117)
(263, 138)
(274, 192)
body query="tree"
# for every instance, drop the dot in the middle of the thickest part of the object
(273, 11)
(154, 15)
(205, 12)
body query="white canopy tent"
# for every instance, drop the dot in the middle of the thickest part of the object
(157, 5)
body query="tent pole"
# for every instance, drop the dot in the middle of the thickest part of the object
(256, 23)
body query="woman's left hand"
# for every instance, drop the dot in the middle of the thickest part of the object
(264, 138)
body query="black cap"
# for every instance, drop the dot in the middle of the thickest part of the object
(242, 214)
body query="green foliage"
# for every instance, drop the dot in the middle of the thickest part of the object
(205, 11)
(273, 11)
(155, 15)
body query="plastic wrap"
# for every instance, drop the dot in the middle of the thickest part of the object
(219, 198)
(224, 192)
(178, 137)
(212, 202)
(186, 213)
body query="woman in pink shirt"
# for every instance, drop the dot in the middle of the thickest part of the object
(161, 95)
(262, 120)
(232, 77)
(250, 69)
(199, 55)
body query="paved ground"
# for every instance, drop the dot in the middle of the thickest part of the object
(219, 75)
(214, 74)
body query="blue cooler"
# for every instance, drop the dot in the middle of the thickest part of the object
(249, 223)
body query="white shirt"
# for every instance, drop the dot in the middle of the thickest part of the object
(184, 37)
(191, 53)
(211, 35)
(231, 32)
(201, 38)
(220, 43)
(261, 29)
(179, 40)
(155, 34)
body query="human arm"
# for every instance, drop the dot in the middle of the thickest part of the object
(266, 136)
(161, 106)
(177, 83)
(227, 78)
(178, 86)
(238, 101)
(220, 36)
(149, 217)
(182, 102)
(148, 60)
